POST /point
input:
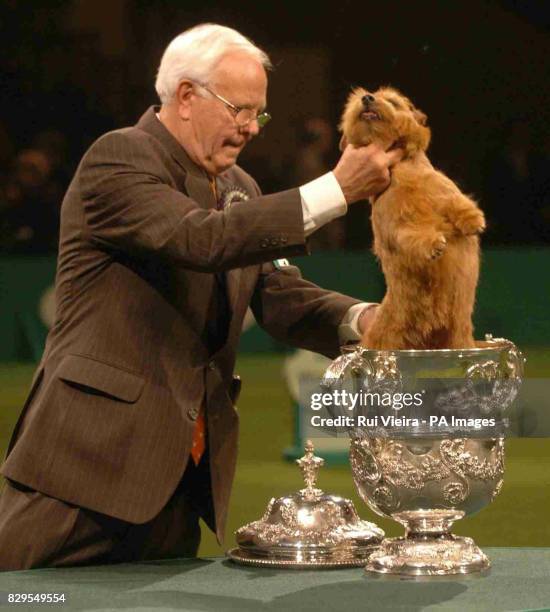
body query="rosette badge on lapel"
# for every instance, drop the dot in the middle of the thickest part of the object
(232, 194)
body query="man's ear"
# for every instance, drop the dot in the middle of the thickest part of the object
(343, 143)
(184, 93)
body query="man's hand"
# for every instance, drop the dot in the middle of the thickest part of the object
(366, 318)
(363, 172)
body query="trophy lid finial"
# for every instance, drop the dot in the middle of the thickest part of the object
(310, 465)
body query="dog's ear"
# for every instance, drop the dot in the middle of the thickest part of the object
(420, 116)
(343, 143)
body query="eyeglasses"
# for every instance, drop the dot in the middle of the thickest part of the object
(243, 116)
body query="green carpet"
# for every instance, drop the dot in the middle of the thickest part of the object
(517, 580)
(518, 517)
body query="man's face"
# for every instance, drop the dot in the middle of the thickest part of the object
(217, 140)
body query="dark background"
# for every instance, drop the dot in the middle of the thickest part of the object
(478, 69)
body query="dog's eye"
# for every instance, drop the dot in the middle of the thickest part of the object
(393, 103)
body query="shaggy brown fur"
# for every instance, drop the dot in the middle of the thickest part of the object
(425, 232)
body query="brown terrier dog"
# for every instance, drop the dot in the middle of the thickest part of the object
(425, 232)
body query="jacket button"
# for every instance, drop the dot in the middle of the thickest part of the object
(274, 242)
(193, 413)
(264, 243)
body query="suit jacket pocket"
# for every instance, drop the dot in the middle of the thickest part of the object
(99, 378)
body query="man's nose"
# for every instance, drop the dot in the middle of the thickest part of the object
(252, 128)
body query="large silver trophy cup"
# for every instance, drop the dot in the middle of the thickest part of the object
(436, 460)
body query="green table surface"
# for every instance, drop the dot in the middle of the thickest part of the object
(518, 580)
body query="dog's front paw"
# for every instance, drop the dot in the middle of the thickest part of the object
(471, 223)
(438, 247)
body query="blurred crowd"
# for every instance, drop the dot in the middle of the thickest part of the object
(515, 198)
(32, 184)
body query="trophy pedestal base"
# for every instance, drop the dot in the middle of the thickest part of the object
(427, 556)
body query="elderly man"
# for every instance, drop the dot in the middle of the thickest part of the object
(129, 433)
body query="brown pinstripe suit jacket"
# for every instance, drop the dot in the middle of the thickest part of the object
(109, 420)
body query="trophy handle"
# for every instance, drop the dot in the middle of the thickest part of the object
(351, 363)
(336, 370)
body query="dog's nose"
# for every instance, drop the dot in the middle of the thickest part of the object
(367, 99)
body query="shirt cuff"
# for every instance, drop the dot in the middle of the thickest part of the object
(348, 330)
(322, 201)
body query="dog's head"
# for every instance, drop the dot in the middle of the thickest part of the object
(384, 117)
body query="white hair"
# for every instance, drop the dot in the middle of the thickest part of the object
(195, 53)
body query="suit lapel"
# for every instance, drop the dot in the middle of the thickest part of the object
(233, 276)
(233, 284)
(197, 187)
